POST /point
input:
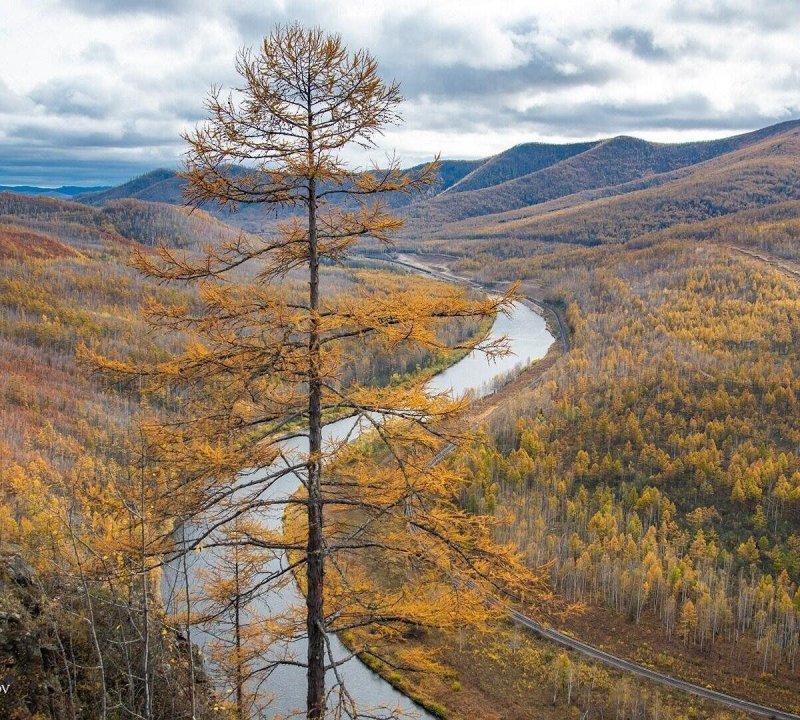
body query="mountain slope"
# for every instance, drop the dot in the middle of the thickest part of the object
(159, 186)
(118, 222)
(19, 242)
(606, 164)
(528, 180)
(454, 172)
(758, 175)
(518, 161)
(166, 186)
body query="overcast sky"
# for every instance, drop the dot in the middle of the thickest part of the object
(96, 92)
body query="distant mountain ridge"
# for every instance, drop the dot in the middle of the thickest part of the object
(760, 175)
(65, 191)
(166, 186)
(516, 187)
(606, 164)
(517, 161)
(160, 185)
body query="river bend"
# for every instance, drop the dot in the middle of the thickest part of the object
(529, 340)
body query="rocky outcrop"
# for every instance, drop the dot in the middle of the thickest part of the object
(30, 684)
(48, 662)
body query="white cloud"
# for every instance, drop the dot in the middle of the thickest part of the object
(79, 80)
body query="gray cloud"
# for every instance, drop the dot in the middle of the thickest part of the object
(539, 70)
(410, 49)
(764, 14)
(73, 96)
(99, 52)
(691, 112)
(9, 100)
(128, 7)
(639, 42)
(253, 22)
(598, 119)
(51, 166)
(461, 81)
(77, 140)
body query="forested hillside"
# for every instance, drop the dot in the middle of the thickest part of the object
(65, 279)
(118, 221)
(764, 174)
(654, 470)
(516, 162)
(71, 577)
(65, 447)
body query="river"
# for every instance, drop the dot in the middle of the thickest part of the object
(529, 340)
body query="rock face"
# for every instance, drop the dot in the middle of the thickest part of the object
(30, 686)
(49, 674)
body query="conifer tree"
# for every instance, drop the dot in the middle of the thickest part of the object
(263, 373)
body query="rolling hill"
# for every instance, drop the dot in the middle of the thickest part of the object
(18, 242)
(600, 191)
(517, 161)
(117, 222)
(157, 186)
(759, 174)
(616, 166)
(166, 187)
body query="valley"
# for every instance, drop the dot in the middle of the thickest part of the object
(733, 671)
(647, 470)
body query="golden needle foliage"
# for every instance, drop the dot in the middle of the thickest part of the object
(263, 369)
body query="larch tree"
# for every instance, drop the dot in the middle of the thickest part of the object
(226, 603)
(261, 375)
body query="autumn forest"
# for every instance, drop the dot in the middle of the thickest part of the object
(237, 481)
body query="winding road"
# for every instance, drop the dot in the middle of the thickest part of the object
(634, 669)
(786, 267)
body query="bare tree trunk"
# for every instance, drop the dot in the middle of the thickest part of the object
(148, 710)
(238, 639)
(188, 622)
(91, 620)
(315, 701)
(66, 661)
